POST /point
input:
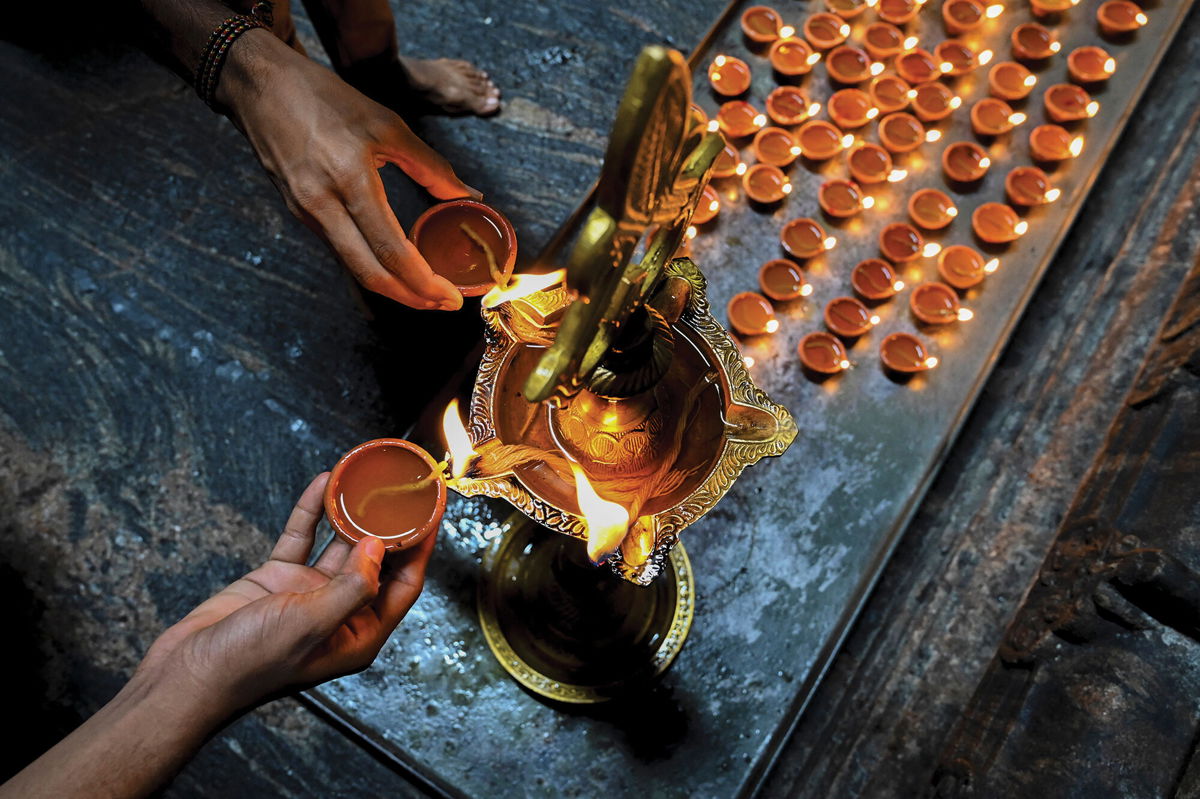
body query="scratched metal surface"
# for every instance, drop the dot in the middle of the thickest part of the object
(783, 563)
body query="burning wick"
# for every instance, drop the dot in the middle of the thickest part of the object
(522, 286)
(605, 523)
(458, 442)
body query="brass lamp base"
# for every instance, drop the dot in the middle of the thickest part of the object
(571, 631)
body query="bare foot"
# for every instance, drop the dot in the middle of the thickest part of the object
(456, 87)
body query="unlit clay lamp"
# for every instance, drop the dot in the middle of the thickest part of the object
(847, 9)
(870, 163)
(386, 488)
(738, 118)
(819, 140)
(936, 304)
(1091, 64)
(824, 31)
(848, 317)
(934, 101)
(997, 223)
(823, 353)
(1066, 102)
(898, 12)
(707, 207)
(805, 238)
(904, 352)
(726, 163)
(775, 146)
(932, 209)
(955, 58)
(1053, 143)
(765, 183)
(787, 105)
(1033, 42)
(890, 93)
(1008, 80)
(1028, 185)
(1120, 16)
(875, 279)
(846, 64)
(960, 16)
(883, 40)
(729, 76)
(901, 132)
(851, 108)
(917, 66)
(782, 280)
(965, 161)
(1042, 8)
(963, 267)
(751, 314)
(993, 117)
(900, 242)
(761, 24)
(792, 56)
(842, 198)
(470, 244)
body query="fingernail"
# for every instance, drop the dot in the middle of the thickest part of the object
(476, 194)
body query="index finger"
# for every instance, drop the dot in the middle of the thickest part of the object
(402, 584)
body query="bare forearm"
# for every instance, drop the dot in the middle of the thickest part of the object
(178, 30)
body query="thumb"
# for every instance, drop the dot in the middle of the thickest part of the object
(355, 584)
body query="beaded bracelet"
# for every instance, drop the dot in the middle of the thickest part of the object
(208, 71)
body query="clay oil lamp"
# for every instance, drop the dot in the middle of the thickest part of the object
(787, 105)
(751, 314)
(905, 353)
(727, 162)
(937, 304)
(821, 141)
(842, 198)
(851, 108)
(848, 317)
(963, 267)
(1053, 143)
(917, 66)
(901, 132)
(1120, 16)
(825, 31)
(386, 488)
(997, 223)
(965, 162)
(900, 242)
(898, 12)
(889, 93)
(848, 9)
(1090, 65)
(792, 56)
(883, 40)
(960, 16)
(708, 207)
(805, 238)
(766, 184)
(1008, 80)
(729, 76)
(847, 64)
(934, 101)
(761, 24)
(1028, 185)
(737, 119)
(957, 59)
(931, 209)
(823, 353)
(875, 279)
(870, 163)
(993, 117)
(1033, 42)
(1066, 102)
(782, 280)
(1042, 8)
(470, 244)
(775, 146)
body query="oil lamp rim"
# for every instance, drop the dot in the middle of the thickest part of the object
(507, 233)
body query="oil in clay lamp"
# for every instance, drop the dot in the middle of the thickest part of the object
(792, 56)
(805, 238)
(1120, 16)
(470, 244)
(875, 279)
(389, 489)
(823, 353)
(937, 304)
(1053, 143)
(961, 16)
(761, 24)
(1090, 65)
(727, 162)
(900, 242)
(898, 12)
(1042, 8)
(851, 108)
(901, 132)
(1033, 42)
(775, 146)
(824, 31)
(708, 206)
(905, 353)
(870, 163)
(729, 76)
(931, 209)
(846, 64)
(751, 314)
(848, 317)
(964, 161)
(1028, 185)
(1066, 102)
(933, 101)
(788, 105)
(766, 184)
(848, 9)
(883, 40)
(890, 93)
(782, 280)
(993, 117)
(738, 119)
(842, 198)
(957, 59)
(820, 141)
(1008, 80)
(997, 223)
(917, 66)
(963, 267)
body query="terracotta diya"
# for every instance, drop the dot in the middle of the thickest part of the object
(931, 209)
(775, 146)
(708, 206)
(387, 488)
(1120, 16)
(904, 352)
(965, 161)
(726, 163)
(729, 76)
(787, 105)
(823, 353)
(1008, 80)
(847, 9)
(819, 140)
(897, 12)
(805, 238)
(900, 242)
(847, 64)
(869, 163)
(824, 31)
(1028, 185)
(956, 58)
(1091, 64)
(848, 317)
(1033, 42)
(1053, 143)
(883, 40)
(470, 244)
(917, 66)
(901, 132)
(875, 279)
(765, 183)
(889, 93)
(792, 56)
(851, 108)
(993, 117)
(1066, 102)
(934, 101)
(960, 16)
(782, 280)
(751, 314)
(737, 119)
(761, 24)
(841, 198)
(1043, 8)
(936, 304)
(962, 266)
(997, 223)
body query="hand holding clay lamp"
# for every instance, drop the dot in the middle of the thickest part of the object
(824, 31)
(955, 58)
(775, 146)
(823, 353)
(883, 40)
(931, 209)
(1053, 143)
(1090, 65)
(964, 161)
(751, 314)
(1066, 102)
(898, 12)
(901, 132)
(842, 198)
(805, 238)
(1033, 42)
(900, 242)
(847, 9)
(993, 117)
(936, 304)
(820, 141)
(960, 16)
(847, 64)
(934, 101)
(1028, 185)
(875, 279)
(766, 184)
(889, 93)
(870, 163)
(849, 318)
(707, 207)
(788, 105)
(917, 66)
(1008, 80)
(386, 488)
(997, 223)
(851, 108)
(782, 280)
(1120, 16)
(1043, 8)
(727, 162)
(761, 24)
(470, 244)
(729, 76)
(904, 352)
(792, 56)
(962, 267)
(738, 118)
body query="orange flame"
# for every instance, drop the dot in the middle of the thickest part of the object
(606, 522)
(522, 286)
(458, 441)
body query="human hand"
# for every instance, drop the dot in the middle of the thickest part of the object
(286, 626)
(323, 143)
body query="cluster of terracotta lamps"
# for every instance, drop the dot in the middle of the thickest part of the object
(883, 75)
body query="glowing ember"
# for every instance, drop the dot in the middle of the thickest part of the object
(522, 286)
(606, 523)
(458, 441)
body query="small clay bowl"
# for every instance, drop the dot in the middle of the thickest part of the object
(729, 76)
(955, 58)
(1033, 42)
(1028, 185)
(901, 132)
(900, 242)
(898, 12)
(1091, 65)
(782, 280)
(804, 238)
(883, 40)
(965, 162)
(788, 105)
(961, 266)
(1120, 16)
(726, 163)
(934, 101)
(823, 353)
(931, 209)
(848, 317)
(997, 223)
(847, 9)
(1042, 8)
(1009, 80)
(775, 146)
(819, 140)
(905, 353)
(875, 279)
(869, 163)
(739, 119)
(890, 93)
(404, 518)
(1053, 143)
(1066, 102)
(993, 117)
(824, 31)
(917, 66)
(935, 304)
(708, 206)
(792, 56)
(761, 24)
(751, 314)
(840, 198)
(454, 255)
(846, 64)
(851, 108)
(960, 16)
(765, 183)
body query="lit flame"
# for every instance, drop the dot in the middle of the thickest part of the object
(522, 286)
(877, 68)
(813, 59)
(786, 188)
(741, 168)
(795, 149)
(806, 289)
(931, 249)
(946, 66)
(714, 206)
(719, 61)
(814, 109)
(713, 126)
(829, 243)
(1053, 195)
(458, 442)
(1092, 108)
(847, 140)
(1110, 66)
(992, 265)
(845, 29)
(911, 42)
(771, 326)
(760, 120)
(872, 113)
(994, 11)
(898, 285)
(985, 162)
(1141, 19)
(787, 31)
(912, 94)
(874, 320)
(868, 202)
(933, 136)
(1030, 81)
(897, 175)
(952, 211)
(985, 58)
(1017, 118)
(1076, 147)
(1021, 227)
(931, 362)
(872, 3)
(843, 364)
(606, 523)
(955, 102)
(748, 361)
(1055, 47)
(965, 314)
(690, 232)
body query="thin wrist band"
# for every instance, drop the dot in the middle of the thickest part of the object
(208, 71)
